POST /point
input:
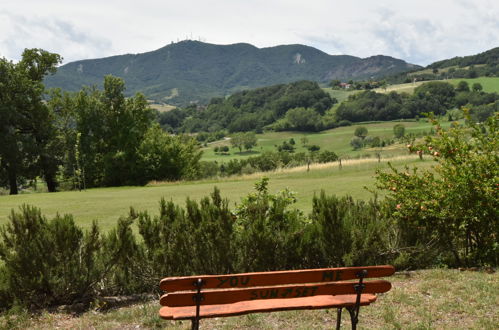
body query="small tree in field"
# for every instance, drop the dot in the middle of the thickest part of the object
(398, 131)
(249, 140)
(360, 132)
(454, 205)
(237, 141)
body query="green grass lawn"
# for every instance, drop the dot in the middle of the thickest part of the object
(426, 299)
(489, 84)
(340, 94)
(107, 204)
(337, 140)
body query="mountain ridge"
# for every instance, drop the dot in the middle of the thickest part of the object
(193, 71)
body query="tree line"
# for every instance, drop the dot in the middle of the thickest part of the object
(85, 139)
(433, 97)
(249, 110)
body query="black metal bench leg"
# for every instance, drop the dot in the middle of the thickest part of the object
(338, 318)
(195, 324)
(353, 317)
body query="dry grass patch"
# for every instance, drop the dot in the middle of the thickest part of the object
(426, 299)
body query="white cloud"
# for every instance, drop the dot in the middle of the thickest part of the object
(420, 32)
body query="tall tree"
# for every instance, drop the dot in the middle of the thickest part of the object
(25, 129)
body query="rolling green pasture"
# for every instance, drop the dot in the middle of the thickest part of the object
(107, 204)
(337, 140)
(490, 84)
(341, 94)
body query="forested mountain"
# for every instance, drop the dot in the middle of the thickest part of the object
(192, 71)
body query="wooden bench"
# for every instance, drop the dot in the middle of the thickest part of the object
(197, 297)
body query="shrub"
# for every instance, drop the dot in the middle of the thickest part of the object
(327, 156)
(356, 143)
(194, 240)
(267, 233)
(48, 262)
(399, 131)
(451, 208)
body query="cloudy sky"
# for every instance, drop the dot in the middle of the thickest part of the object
(419, 32)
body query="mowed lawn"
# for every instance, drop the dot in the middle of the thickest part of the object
(337, 140)
(107, 204)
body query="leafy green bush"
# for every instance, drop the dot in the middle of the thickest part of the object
(452, 208)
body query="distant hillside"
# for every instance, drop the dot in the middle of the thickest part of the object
(484, 64)
(192, 71)
(490, 57)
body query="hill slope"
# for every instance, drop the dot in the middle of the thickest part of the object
(195, 71)
(485, 64)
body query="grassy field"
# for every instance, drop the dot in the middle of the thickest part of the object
(340, 94)
(107, 204)
(427, 299)
(162, 107)
(490, 85)
(337, 140)
(400, 88)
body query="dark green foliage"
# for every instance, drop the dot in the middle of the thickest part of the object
(286, 147)
(475, 98)
(462, 86)
(48, 262)
(345, 232)
(436, 97)
(356, 143)
(302, 119)
(361, 132)
(328, 238)
(481, 113)
(313, 148)
(267, 232)
(165, 157)
(477, 87)
(194, 240)
(124, 259)
(327, 156)
(398, 131)
(29, 146)
(369, 105)
(253, 109)
(110, 140)
(490, 57)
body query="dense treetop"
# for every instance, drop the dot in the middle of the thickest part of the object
(249, 110)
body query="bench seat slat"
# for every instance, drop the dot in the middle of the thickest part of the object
(172, 284)
(272, 305)
(228, 296)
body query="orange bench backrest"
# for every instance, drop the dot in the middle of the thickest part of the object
(222, 289)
